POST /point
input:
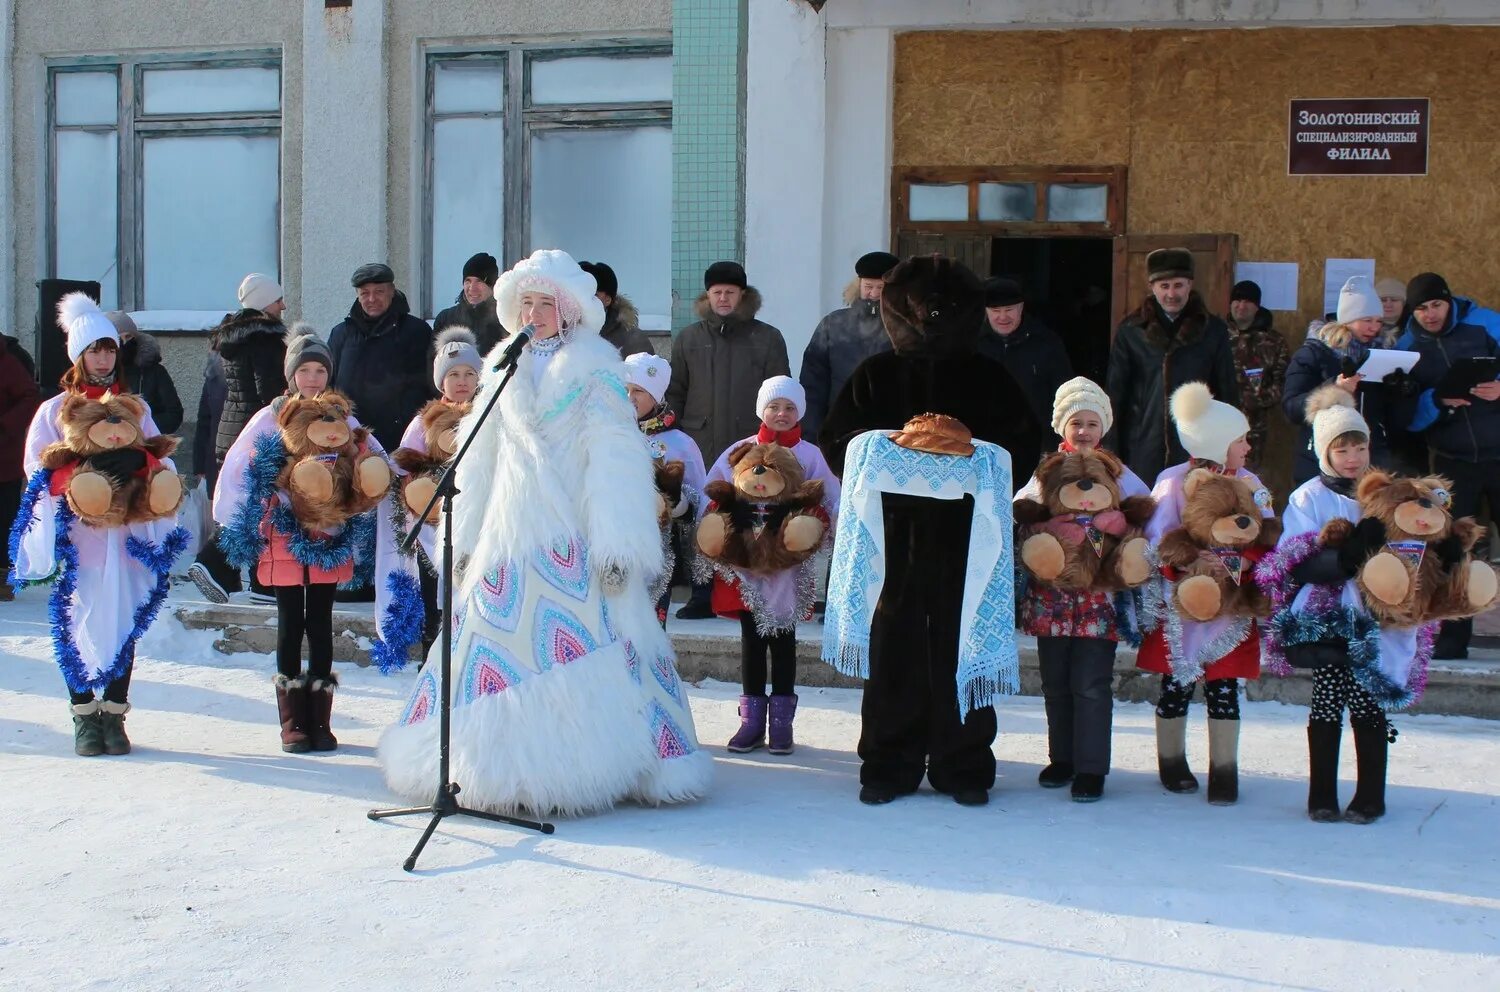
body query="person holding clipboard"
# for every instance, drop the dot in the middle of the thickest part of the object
(1458, 407)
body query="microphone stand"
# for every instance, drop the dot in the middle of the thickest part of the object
(445, 803)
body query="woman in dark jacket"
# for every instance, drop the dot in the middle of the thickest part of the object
(140, 361)
(252, 347)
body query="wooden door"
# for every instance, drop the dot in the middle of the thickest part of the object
(1213, 268)
(971, 249)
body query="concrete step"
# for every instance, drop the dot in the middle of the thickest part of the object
(710, 649)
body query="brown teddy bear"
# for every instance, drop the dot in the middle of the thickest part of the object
(326, 475)
(669, 477)
(1213, 553)
(765, 520)
(440, 422)
(1081, 534)
(1419, 568)
(114, 472)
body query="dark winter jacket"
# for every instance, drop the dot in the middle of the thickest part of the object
(140, 359)
(385, 366)
(1464, 433)
(1261, 349)
(252, 350)
(1036, 358)
(19, 398)
(842, 340)
(1151, 356)
(1316, 364)
(718, 365)
(210, 409)
(622, 328)
(477, 317)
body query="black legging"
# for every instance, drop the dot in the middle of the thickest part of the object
(432, 625)
(753, 647)
(1221, 695)
(117, 691)
(310, 614)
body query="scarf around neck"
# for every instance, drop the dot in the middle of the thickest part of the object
(787, 439)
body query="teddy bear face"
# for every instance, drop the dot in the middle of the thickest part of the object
(94, 426)
(1411, 509)
(320, 423)
(1082, 482)
(764, 471)
(1219, 510)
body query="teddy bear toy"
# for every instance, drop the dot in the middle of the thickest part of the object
(424, 469)
(1412, 557)
(109, 471)
(329, 474)
(765, 520)
(1213, 553)
(669, 502)
(1081, 535)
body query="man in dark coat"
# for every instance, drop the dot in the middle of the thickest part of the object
(845, 338)
(382, 356)
(1033, 355)
(933, 309)
(1171, 339)
(19, 398)
(622, 322)
(475, 307)
(145, 375)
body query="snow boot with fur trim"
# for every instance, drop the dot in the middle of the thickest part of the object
(1171, 755)
(1223, 762)
(88, 729)
(320, 713)
(112, 717)
(291, 706)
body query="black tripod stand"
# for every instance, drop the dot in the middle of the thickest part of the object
(445, 803)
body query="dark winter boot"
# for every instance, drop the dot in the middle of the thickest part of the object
(1323, 771)
(1371, 746)
(1056, 775)
(1171, 755)
(88, 729)
(1088, 788)
(1223, 762)
(752, 732)
(112, 718)
(291, 706)
(783, 710)
(320, 712)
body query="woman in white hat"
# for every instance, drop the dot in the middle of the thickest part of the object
(566, 697)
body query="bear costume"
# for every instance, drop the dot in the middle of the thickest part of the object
(933, 310)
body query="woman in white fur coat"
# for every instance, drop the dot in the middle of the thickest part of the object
(566, 697)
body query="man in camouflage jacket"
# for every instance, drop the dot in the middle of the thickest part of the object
(1260, 360)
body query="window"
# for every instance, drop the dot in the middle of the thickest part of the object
(165, 179)
(544, 148)
(1021, 200)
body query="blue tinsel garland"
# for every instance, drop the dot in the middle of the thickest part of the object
(404, 616)
(241, 541)
(37, 486)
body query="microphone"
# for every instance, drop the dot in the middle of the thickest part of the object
(513, 350)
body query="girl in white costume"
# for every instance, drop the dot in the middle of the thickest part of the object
(565, 693)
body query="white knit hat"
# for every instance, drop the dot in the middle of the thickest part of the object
(650, 373)
(1206, 427)
(1358, 299)
(781, 387)
(1079, 394)
(455, 347)
(553, 272)
(84, 323)
(259, 291)
(1332, 413)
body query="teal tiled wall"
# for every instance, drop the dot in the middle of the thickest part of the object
(708, 143)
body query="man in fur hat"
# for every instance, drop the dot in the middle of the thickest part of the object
(933, 310)
(1169, 340)
(844, 338)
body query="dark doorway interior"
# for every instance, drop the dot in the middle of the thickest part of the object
(1067, 284)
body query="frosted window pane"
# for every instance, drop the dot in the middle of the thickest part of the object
(85, 213)
(1078, 202)
(86, 97)
(200, 241)
(209, 91)
(468, 87)
(601, 79)
(606, 195)
(468, 203)
(938, 201)
(1007, 201)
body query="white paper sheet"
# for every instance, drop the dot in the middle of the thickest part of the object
(1381, 363)
(1277, 282)
(1336, 272)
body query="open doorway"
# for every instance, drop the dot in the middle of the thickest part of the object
(1067, 284)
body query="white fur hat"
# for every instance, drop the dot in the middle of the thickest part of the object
(1078, 394)
(1358, 299)
(1206, 427)
(455, 346)
(650, 373)
(259, 291)
(1331, 412)
(553, 272)
(84, 323)
(781, 387)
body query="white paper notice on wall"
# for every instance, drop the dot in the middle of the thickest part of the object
(1277, 282)
(1337, 271)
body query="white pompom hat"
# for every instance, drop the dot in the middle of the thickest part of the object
(1079, 394)
(553, 272)
(1206, 427)
(84, 323)
(1332, 414)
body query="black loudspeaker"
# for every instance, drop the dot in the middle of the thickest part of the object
(51, 343)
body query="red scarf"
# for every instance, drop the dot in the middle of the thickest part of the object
(787, 439)
(97, 392)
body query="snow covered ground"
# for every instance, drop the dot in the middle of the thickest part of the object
(210, 860)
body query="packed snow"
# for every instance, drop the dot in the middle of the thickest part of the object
(209, 860)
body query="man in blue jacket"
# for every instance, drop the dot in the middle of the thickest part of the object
(1463, 432)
